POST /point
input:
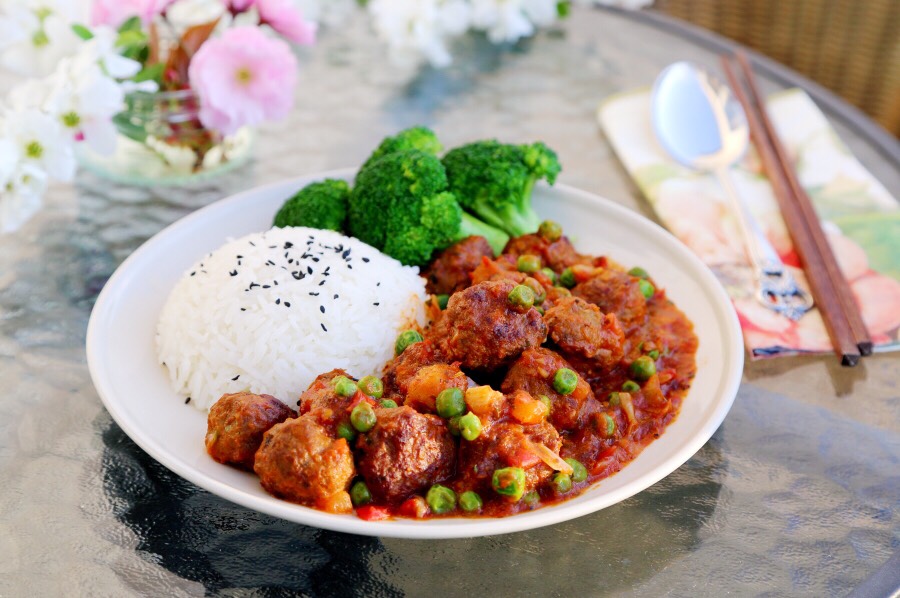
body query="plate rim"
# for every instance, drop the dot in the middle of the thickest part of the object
(437, 528)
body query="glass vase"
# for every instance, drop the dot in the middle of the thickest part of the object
(162, 142)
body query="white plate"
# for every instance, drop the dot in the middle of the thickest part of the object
(135, 390)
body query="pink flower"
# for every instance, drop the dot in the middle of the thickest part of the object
(239, 6)
(243, 78)
(286, 19)
(116, 12)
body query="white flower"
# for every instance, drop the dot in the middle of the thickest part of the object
(101, 50)
(36, 34)
(502, 20)
(419, 28)
(9, 160)
(40, 142)
(330, 13)
(21, 197)
(85, 101)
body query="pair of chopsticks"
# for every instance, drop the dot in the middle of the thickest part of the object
(830, 290)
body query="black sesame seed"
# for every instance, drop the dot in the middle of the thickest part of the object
(288, 244)
(278, 302)
(240, 257)
(309, 269)
(273, 246)
(243, 309)
(253, 284)
(287, 303)
(323, 327)
(315, 259)
(233, 272)
(321, 283)
(378, 284)
(376, 304)
(267, 286)
(322, 308)
(349, 267)
(192, 273)
(366, 260)
(298, 275)
(270, 262)
(252, 243)
(346, 253)
(336, 295)
(235, 378)
(275, 282)
(187, 400)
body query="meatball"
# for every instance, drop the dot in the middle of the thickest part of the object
(506, 444)
(299, 461)
(430, 381)
(236, 425)
(534, 372)
(449, 271)
(557, 255)
(406, 452)
(483, 330)
(400, 371)
(614, 291)
(323, 403)
(577, 326)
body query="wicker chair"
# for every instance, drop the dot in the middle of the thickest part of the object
(849, 46)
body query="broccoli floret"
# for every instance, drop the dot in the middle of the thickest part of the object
(494, 181)
(418, 138)
(318, 205)
(400, 205)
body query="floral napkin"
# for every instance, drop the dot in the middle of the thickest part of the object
(859, 216)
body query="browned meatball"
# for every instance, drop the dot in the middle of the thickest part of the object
(534, 371)
(400, 371)
(483, 331)
(577, 326)
(236, 424)
(299, 461)
(321, 402)
(506, 444)
(449, 271)
(558, 255)
(614, 291)
(404, 453)
(429, 381)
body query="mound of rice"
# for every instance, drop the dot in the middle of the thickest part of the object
(271, 311)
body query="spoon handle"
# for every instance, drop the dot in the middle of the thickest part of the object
(775, 286)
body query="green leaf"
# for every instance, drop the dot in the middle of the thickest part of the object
(129, 129)
(153, 72)
(563, 9)
(82, 31)
(132, 24)
(128, 39)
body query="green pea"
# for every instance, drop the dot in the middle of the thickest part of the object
(406, 338)
(546, 401)
(608, 425)
(531, 498)
(654, 354)
(580, 472)
(470, 426)
(441, 499)
(372, 386)
(638, 272)
(642, 368)
(521, 296)
(614, 399)
(550, 230)
(549, 273)
(565, 381)
(567, 278)
(442, 301)
(647, 288)
(450, 402)
(528, 263)
(469, 501)
(388, 403)
(509, 482)
(539, 309)
(562, 483)
(346, 431)
(363, 417)
(344, 386)
(453, 425)
(563, 292)
(631, 386)
(359, 494)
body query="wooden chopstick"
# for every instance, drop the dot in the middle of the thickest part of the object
(828, 299)
(848, 301)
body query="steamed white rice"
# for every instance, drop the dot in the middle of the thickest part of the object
(271, 311)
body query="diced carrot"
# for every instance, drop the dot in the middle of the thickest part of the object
(523, 458)
(372, 513)
(527, 409)
(484, 400)
(414, 508)
(358, 397)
